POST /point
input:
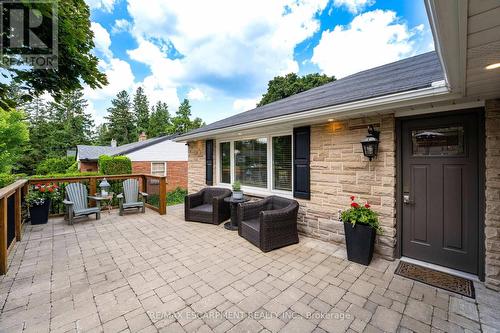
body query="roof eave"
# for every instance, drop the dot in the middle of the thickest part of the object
(424, 95)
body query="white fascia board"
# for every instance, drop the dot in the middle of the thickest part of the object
(372, 105)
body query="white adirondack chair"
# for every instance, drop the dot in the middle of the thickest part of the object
(131, 196)
(76, 203)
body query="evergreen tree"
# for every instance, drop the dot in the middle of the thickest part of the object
(159, 122)
(103, 137)
(141, 111)
(182, 122)
(120, 119)
(74, 126)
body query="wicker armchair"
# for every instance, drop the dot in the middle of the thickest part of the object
(270, 223)
(207, 206)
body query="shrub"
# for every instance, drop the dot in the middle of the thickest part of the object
(66, 175)
(176, 196)
(114, 165)
(6, 179)
(73, 168)
(54, 165)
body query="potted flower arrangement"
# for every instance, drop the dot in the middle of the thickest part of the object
(237, 193)
(38, 200)
(360, 225)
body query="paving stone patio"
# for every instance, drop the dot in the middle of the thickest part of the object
(149, 273)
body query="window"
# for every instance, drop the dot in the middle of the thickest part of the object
(250, 162)
(448, 141)
(159, 168)
(225, 162)
(282, 163)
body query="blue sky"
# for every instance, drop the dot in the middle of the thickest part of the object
(221, 54)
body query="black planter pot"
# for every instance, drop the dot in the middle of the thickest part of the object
(359, 242)
(40, 214)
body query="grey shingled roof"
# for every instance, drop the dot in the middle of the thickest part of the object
(92, 153)
(408, 74)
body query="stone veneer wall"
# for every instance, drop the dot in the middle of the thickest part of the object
(339, 170)
(492, 218)
(196, 166)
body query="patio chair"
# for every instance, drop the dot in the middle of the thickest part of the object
(76, 203)
(270, 223)
(207, 205)
(131, 196)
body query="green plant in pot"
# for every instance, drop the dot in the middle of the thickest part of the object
(237, 193)
(38, 200)
(360, 226)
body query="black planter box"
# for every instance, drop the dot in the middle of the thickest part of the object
(359, 242)
(40, 214)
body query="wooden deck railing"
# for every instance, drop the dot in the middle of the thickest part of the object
(155, 186)
(11, 224)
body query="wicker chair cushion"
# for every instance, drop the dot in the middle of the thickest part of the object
(250, 231)
(206, 208)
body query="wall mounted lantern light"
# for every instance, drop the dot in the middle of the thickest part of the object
(370, 143)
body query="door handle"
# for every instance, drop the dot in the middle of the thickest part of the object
(406, 199)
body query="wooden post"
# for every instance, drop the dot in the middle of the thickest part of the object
(92, 189)
(162, 206)
(17, 217)
(3, 236)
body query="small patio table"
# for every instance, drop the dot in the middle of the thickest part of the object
(233, 224)
(106, 199)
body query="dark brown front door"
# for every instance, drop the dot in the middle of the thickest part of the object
(440, 190)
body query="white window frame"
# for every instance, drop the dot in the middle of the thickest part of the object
(252, 190)
(164, 168)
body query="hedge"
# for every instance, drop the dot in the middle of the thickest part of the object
(114, 165)
(66, 175)
(6, 179)
(54, 165)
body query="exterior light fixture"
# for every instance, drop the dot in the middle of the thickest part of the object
(104, 186)
(330, 120)
(370, 143)
(493, 66)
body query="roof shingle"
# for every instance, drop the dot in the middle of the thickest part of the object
(408, 74)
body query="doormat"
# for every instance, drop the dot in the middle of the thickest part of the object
(437, 279)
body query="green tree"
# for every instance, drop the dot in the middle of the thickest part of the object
(141, 111)
(120, 119)
(76, 64)
(291, 84)
(182, 122)
(73, 126)
(13, 136)
(159, 122)
(103, 136)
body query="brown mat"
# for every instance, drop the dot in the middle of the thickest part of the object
(437, 279)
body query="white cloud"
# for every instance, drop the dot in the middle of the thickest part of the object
(371, 39)
(104, 5)
(121, 25)
(230, 46)
(102, 40)
(354, 6)
(196, 94)
(245, 104)
(120, 77)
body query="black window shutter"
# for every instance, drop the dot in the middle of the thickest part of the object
(301, 159)
(209, 158)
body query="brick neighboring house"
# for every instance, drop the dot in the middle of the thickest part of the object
(435, 182)
(159, 156)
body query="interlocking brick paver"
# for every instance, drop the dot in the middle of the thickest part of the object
(150, 273)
